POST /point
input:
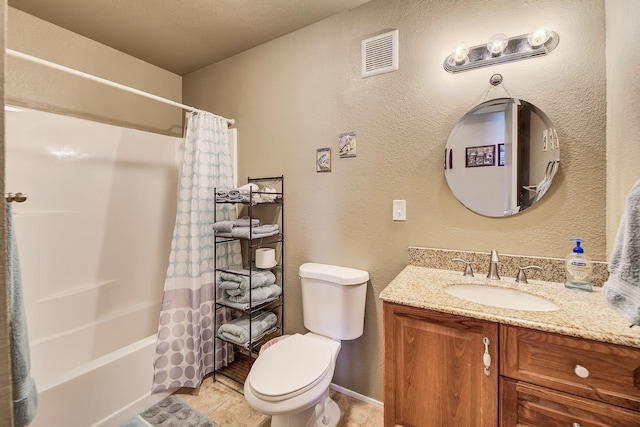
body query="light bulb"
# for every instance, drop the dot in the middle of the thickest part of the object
(539, 36)
(497, 43)
(459, 55)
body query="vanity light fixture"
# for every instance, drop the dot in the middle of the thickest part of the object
(497, 43)
(500, 49)
(460, 53)
(538, 37)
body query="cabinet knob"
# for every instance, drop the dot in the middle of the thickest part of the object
(582, 372)
(576, 425)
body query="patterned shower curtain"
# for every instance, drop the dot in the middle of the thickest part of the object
(185, 342)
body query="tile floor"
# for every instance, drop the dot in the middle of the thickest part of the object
(224, 403)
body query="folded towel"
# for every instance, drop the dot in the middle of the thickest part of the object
(227, 226)
(241, 280)
(233, 291)
(25, 394)
(245, 221)
(622, 289)
(243, 305)
(256, 294)
(255, 232)
(247, 327)
(223, 226)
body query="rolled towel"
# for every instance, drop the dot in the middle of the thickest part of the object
(269, 195)
(249, 187)
(622, 290)
(234, 196)
(237, 330)
(257, 294)
(241, 280)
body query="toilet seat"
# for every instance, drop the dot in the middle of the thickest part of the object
(290, 367)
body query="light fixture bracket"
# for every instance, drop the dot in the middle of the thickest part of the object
(517, 48)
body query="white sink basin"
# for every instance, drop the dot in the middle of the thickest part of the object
(501, 297)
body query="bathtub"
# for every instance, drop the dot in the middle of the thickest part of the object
(104, 391)
(93, 238)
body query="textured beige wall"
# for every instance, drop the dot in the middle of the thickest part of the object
(297, 93)
(623, 114)
(42, 88)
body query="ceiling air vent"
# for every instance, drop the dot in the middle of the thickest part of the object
(380, 54)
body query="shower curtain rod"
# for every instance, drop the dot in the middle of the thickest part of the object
(46, 63)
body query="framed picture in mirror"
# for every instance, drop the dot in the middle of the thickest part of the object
(484, 155)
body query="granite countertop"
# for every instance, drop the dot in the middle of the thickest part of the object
(582, 314)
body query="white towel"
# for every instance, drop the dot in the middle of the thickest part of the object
(622, 290)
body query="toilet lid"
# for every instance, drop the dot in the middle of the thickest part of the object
(290, 367)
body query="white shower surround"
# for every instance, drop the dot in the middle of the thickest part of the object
(93, 239)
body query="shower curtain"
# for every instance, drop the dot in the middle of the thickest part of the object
(185, 341)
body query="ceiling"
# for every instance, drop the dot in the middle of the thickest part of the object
(182, 36)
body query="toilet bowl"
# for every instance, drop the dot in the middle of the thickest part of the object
(290, 381)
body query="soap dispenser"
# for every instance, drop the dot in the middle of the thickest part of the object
(578, 267)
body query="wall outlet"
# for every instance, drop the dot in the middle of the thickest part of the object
(399, 210)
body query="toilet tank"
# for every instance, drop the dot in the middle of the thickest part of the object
(333, 300)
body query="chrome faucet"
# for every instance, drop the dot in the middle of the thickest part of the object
(521, 277)
(493, 266)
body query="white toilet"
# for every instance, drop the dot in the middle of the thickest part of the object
(290, 380)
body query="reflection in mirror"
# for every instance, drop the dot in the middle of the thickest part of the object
(501, 157)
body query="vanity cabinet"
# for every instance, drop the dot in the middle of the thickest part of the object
(434, 373)
(555, 380)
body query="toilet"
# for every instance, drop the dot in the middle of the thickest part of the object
(290, 380)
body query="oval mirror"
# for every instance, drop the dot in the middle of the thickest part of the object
(501, 157)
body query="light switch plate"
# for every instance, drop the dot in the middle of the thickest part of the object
(399, 210)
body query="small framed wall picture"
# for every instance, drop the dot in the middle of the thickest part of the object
(347, 144)
(323, 159)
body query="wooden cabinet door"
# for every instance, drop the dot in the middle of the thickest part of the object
(434, 373)
(527, 405)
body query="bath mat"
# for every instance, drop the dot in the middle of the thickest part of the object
(169, 412)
